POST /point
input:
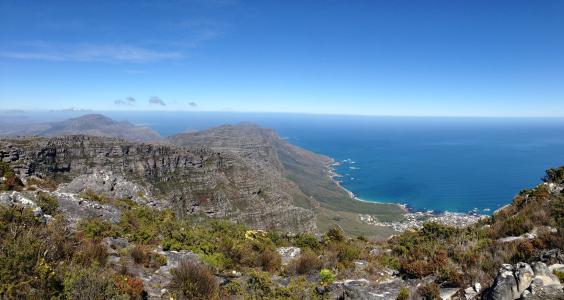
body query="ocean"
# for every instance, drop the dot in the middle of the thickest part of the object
(427, 163)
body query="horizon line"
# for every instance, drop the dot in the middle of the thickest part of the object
(92, 111)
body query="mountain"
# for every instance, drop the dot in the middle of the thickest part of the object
(284, 172)
(92, 124)
(189, 181)
(235, 212)
(312, 188)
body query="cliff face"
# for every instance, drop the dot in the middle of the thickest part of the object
(189, 180)
(304, 175)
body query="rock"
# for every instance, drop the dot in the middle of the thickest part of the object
(526, 236)
(526, 295)
(539, 291)
(360, 264)
(364, 289)
(116, 243)
(158, 280)
(552, 256)
(104, 182)
(473, 291)
(288, 254)
(470, 293)
(524, 275)
(447, 293)
(231, 172)
(76, 208)
(505, 285)
(544, 273)
(556, 267)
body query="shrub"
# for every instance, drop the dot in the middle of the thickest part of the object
(131, 286)
(403, 294)
(89, 283)
(429, 291)
(92, 196)
(270, 260)
(95, 228)
(346, 252)
(49, 204)
(555, 175)
(44, 183)
(336, 234)
(305, 264)
(92, 251)
(160, 260)
(140, 254)
(560, 275)
(191, 280)
(306, 240)
(260, 285)
(326, 277)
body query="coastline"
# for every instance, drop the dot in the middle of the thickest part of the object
(333, 175)
(412, 218)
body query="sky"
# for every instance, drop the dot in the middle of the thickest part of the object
(378, 57)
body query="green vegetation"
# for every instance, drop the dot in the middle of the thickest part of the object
(194, 281)
(403, 294)
(39, 260)
(326, 277)
(9, 182)
(461, 256)
(48, 204)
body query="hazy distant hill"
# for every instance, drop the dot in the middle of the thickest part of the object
(92, 124)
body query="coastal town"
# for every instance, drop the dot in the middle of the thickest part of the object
(415, 220)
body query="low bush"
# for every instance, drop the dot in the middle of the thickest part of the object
(307, 262)
(307, 241)
(91, 252)
(48, 204)
(429, 291)
(326, 277)
(140, 254)
(403, 294)
(270, 260)
(191, 280)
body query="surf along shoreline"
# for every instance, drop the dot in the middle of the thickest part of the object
(412, 218)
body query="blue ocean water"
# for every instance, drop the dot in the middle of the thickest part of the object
(440, 164)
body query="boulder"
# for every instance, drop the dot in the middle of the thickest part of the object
(556, 267)
(552, 256)
(539, 291)
(473, 291)
(447, 293)
(505, 285)
(524, 275)
(543, 272)
(288, 254)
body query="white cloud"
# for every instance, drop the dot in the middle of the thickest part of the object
(90, 53)
(157, 101)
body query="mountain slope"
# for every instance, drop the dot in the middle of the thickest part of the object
(93, 124)
(193, 180)
(309, 171)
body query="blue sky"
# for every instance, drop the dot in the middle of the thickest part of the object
(415, 58)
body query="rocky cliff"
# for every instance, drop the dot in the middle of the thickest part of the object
(304, 174)
(191, 180)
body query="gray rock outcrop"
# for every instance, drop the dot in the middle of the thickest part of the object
(525, 282)
(188, 180)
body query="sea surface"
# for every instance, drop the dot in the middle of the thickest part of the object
(439, 164)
